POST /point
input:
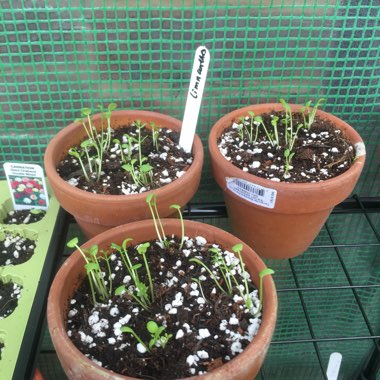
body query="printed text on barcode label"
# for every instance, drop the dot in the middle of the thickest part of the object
(251, 192)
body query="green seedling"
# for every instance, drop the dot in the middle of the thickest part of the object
(218, 260)
(252, 115)
(142, 249)
(198, 282)
(240, 129)
(99, 142)
(151, 199)
(140, 126)
(260, 121)
(156, 333)
(288, 119)
(107, 115)
(158, 339)
(251, 123)
(141, 295)
(262, 274)
(129, 330)
(178, 208)
(275, 129)
(142, 175)
(131, 140)
(199, 262)
(288, 155)
(95, 275)
(77, 154)
(309, 116)
(237, 248)
(226, 273)
(293, 138)
(121, 147)
(155, 134)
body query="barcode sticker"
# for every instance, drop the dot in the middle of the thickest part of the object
(251, 192)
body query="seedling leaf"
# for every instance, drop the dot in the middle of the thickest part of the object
(152, 327)
(112, 106)
(91, 267)
(120, 290)
(73, 243)
(237, 247)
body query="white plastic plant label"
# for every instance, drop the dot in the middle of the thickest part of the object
(359, 149)
(27, 186)
(333, 366)
(194, 98)
(259, 195)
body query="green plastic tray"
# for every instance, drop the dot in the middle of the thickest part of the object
(14, 330)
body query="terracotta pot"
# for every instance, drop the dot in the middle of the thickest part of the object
(299, 210)
(96, 213)
(76, 366)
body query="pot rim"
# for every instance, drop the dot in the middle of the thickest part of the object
(53, 146)
(226, 121)
(55, 317)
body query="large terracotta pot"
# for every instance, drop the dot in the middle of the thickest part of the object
(300, 209)
(76, 366)
(96, 213)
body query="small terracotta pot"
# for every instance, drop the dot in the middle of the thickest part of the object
(300, 209)
(96, 213)
(77, 366)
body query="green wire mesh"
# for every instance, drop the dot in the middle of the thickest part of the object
(59, 56)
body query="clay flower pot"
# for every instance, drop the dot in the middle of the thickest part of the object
(291, 223)
(96, 213)
(77, 366)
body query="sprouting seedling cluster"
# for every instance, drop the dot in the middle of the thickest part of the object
(140, 287)
(158, 337)
(224, 274)
(141, 292)
(249, 127)
(151, 200)
(100, 283)
(139, 169)
(92, 150)
(96, 144)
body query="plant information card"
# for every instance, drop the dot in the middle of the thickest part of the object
(27, 186)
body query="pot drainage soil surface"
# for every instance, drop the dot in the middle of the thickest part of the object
(320, 153)
(23, 216)
(15, 249)
(167, 159)
(9, 295)
(207, 327)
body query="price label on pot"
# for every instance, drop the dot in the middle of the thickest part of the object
(259, 195)
(359, 149)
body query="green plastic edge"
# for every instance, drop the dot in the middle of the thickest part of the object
(28, 275)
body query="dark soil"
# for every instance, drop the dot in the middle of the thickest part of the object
(15, 249)
(169, 162)
(208, 327)
(9, 295)
(24, 216)
(321, 152)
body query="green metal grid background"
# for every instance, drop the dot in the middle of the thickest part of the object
(58, 56)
